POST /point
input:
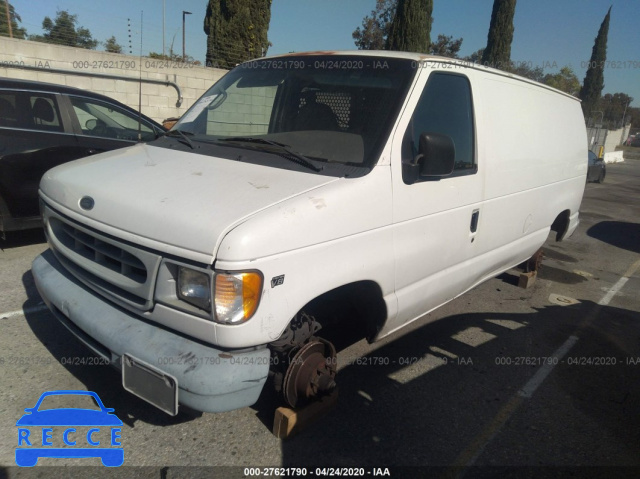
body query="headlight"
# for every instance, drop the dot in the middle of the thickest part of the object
(237, 296)
(194, 288)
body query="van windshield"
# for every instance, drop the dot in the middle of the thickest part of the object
(316, 109)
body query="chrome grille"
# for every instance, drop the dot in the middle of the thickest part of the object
(120, 270)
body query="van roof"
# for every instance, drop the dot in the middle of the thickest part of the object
(422, 57)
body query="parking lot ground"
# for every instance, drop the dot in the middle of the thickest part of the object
(534, 379)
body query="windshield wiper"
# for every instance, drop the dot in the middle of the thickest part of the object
(182, 136)
(292, 155)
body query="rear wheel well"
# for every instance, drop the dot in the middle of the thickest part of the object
(561, 224)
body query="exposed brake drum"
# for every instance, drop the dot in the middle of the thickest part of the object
(311, 373)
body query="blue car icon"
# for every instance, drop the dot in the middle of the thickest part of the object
(27, 455)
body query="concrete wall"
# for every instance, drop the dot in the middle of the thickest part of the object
(615, 138)
(607, 139)
(158, 101)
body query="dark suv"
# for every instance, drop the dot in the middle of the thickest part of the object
(43, 125)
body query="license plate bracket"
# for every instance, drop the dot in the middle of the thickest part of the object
(150, 384)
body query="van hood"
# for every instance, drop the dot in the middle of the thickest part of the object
(158, 196)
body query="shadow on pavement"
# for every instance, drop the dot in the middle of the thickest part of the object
(15, 239)
(617, 233)
(422, 399)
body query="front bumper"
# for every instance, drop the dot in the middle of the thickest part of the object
(209, 379)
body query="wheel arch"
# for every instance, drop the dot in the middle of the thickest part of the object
(359, 304)
(561, 224)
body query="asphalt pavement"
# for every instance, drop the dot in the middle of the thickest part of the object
(535, 381)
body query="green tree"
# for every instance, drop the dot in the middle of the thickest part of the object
(410, 29)
(446, 46)
(112, 46)
(594, 79)
(174, 57)
(63, 31)
(497, 54)
(16, 31)
(565, 80)
(615, 108)
(523, 69)
(375, 27)
(375, 30)
(475, 57)
(236, 31)
(633, 117)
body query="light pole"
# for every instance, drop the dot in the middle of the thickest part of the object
(625, 111)
(183, 15)
(622, 136)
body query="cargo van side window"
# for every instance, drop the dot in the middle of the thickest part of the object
(445, 107)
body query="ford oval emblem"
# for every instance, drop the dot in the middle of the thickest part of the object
(87, 203)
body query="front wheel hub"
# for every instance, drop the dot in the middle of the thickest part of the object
(311, 373)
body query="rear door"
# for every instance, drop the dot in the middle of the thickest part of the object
(35, 135)
(437, 222)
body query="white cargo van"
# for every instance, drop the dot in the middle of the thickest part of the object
(303, 194)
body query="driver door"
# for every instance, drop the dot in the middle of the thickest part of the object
(438, 222)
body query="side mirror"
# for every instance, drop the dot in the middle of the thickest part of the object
(436, 155)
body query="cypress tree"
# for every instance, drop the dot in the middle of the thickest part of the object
(411, 27)
(594, 79)
(497, 54)
(236, 31)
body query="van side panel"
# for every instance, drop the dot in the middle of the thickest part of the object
(532, 146)
(528, 137)
(532, 160)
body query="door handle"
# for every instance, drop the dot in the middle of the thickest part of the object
(474, 220)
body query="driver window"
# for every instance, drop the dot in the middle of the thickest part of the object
(445, 107)
(108, 121)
